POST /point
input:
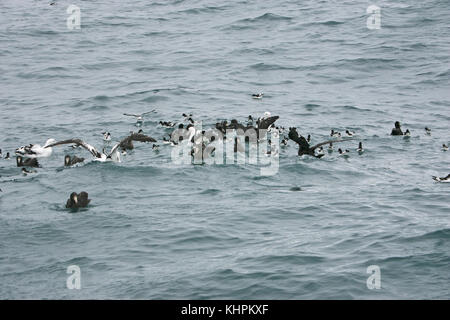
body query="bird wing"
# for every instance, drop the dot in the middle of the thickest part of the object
(145, 113)
(265, 123)
(293, 135)
(131, 115)
(329, 141)
(133, 137)
(78, 142)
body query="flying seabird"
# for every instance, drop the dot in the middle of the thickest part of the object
(36, 151)
(139, 117)
(443, 179)
(27, 162)
(76, 201)
(70, 161)
(397, 131)
(303, 145)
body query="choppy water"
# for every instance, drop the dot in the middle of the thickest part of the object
(160, 231)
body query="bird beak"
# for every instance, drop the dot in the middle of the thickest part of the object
(75, 199)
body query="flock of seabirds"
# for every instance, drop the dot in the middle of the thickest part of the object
(27, 156)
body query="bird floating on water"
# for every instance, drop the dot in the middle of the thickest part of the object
(360, 148)
(397, 131)
(445, 147)
(76, 201)
(36, 151)
(27, 162)
(427, 131)
(70, 161)
(442, 179)
(258, 95)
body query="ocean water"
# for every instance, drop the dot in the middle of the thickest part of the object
(157, 230)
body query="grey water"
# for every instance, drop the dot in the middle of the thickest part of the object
(158, 230)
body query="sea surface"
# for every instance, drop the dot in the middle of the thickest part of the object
(159, 230)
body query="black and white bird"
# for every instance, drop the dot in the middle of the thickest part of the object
(303, 145)
(113, 155)
(139, 117)
(7, 157)
(77, 201)
(106, 136)
(442, 179)
(407, 133)
(258, 95)
(26, 172)
(335, 134)
(27, 162)
(444, 147)
(350, 133)
(427, 131)
(71, 161)
(36, 150)
(344, 153)
(360, 148)
(330, 147)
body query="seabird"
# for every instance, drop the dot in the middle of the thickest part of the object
(250, 121)
(330, 147)
(320, 153)
(407, 133)
(266, 121)
(257, 95)
(167, 124)
(70, 161)
(106, 136)
(1, 155)
(445, 147)
(155, 147)
(27, 162)
(78, 200)
(443, 179)
(350, 133)
(360, 148)
(303, 145)
(125, 144)
(26, 172)
(397, 131)
(309, 138)
(343, 153)
(427, 131)
(335, 134)
(139, 117)
(7, 157)
(36, 151)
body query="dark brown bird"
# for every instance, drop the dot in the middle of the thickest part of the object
(76, 201)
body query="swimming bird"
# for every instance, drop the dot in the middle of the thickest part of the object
(360, 148)
(320, 153)
(1, 155)
(343, 153)
(167, 124)
(350, 133)
(443, 179)
(250, 121)
(139, 117)
(76, 201)
(7, 157)
(27, 172)
(335, 134)
(257, 95)
(27, 162)
(427, 131)
(106, 136)
(309, 138)
(304, 147)
(407, 133)
(36, 151)
(155, 147)
(330, 147)
(445, 147)
(70, 161)
(397, 131)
